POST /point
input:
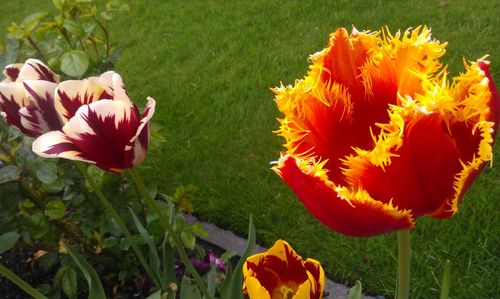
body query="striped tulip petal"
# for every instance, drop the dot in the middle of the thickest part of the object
(281, 273)
(41, 95)
(12, 98)
(103, 132)
(72, 94)
(34, 69)
(11, 72)
(27, 98)
(376, 135)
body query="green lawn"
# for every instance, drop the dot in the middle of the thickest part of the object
(209, 65)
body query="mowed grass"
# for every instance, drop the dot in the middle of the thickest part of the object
(209, 65)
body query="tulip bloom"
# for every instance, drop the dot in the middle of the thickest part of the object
(377, 136)
(27, 98)
(280, 273)
(102, 126)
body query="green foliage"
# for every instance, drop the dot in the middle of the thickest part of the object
(356, 292)
(8, 240)
(74, 39)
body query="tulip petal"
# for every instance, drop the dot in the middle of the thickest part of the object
(100, 132)
(72, 94)
(41, 94)
(34, 69)
(317, 278)
(353, 213)
(56, 144)
(254, 289)
(12, 98)
(138, 147)
(11, 72)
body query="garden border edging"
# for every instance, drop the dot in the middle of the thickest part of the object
(229, 241)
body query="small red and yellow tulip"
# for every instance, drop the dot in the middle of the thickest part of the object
(102, 126)
(279, 273)
(376, 134)
(27, 98)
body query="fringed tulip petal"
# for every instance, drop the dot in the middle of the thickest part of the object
(352, 213)
(395, 139)
(281, 273)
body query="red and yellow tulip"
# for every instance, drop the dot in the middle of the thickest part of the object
(280, 273)
(27, 98)
(102, 126)
(376, 135)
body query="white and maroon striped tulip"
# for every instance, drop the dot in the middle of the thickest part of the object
(27, 98)
(72, 94)
(109, 132)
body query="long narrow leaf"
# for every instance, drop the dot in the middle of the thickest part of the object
(211, 279)
(168, 258)
(233, 290)
(96, 291)
(445, 283)
(154, 260)
(188, 290)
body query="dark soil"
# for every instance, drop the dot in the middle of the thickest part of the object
(21, 262)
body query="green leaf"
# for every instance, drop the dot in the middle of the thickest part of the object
(8, 240)
(188, 239)
(55, 209)
(69, 284)
(9, 173)
(96, 291)
(356, 291)
(30, 22)
(74, 63)
(212, 279)
(155, 295)
(154, 259)
(46, 172)
(11, 52)
(58, 4)
(189, 290)
(231, 288)
(74, 28)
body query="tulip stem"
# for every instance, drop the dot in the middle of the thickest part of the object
(21, 283)
(404, 252)
(170, 230)
(105, 202)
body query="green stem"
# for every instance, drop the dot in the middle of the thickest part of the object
(170, 230)
(33, 44)
(107, 205)
(445, 283)
(403, 284)
(21, 283)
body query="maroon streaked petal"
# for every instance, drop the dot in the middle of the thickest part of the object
(12, 98)
(72, 94)
(34, 69)
(11, 72)
(138, 146)
(102, 130)
(56, 144)
(32, 121)
(41, 93)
